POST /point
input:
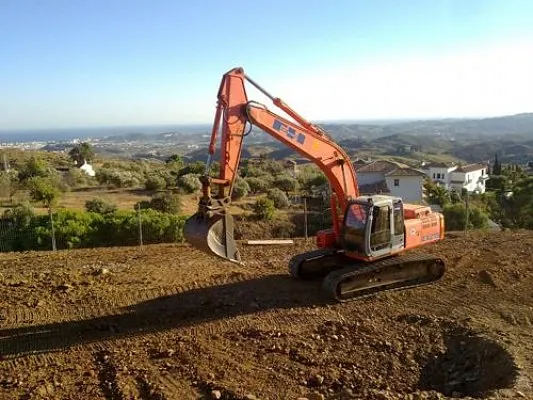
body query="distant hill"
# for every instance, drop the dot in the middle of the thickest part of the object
(468, 140)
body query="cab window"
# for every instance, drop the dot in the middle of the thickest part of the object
(355, 227)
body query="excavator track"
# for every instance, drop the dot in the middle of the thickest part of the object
(315, 264)
(398, 272)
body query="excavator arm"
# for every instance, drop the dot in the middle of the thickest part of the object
(211, 228)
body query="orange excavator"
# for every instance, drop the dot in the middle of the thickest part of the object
(363, 253)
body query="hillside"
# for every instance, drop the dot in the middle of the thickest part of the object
(168, 322)
(441, 140)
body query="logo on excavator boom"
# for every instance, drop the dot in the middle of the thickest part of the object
(290, 132)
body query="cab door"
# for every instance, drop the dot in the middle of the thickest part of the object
(398, 228)
(381, 230)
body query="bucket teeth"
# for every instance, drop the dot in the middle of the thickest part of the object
(213, 235)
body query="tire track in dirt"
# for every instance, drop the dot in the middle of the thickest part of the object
(182, 308)
(107, 376)
(112, 305)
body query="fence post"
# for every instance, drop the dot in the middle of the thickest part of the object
(140, 225)
(54, 247)
(305, 217)
(466, 208)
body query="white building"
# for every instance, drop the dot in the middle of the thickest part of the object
(392, 178)
(471, 177)
(440, 173)
(87, 168)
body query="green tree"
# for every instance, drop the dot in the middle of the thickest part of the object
(100, 206)
(264, 209)
(257, 185)
(497, 168)
(5, 184)
(189, 183)
(195, 167)
(286, 183)
(174, 159)
(43, 190)
(455, 217)
(34, 167)
(517, 205)
(279, 198)
(82, 152)
(436, 194)
(155, 182)
(76, 177)
(164, 202)
(240, 189)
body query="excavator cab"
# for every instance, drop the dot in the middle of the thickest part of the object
(374, 226)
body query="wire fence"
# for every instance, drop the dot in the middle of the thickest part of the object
(67, 229)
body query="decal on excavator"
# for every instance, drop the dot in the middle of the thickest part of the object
(290, 132)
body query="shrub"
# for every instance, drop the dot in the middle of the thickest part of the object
(240, 189)
(189, 183)
(195, 168)
(164, 202)
(100, 206)
(310, 180)
(455, 217)
(22, 230)
(279, 198)
(286, 183)
(257, 184)
(43, 189)
(76, 177)
(118, 178)
(264, 209)
(155, 182)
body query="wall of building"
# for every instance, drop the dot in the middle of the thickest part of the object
(469, 180)
(445, 175)
(473, 181)
(410, 188)
(367, 178)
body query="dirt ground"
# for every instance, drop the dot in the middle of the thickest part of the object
(168, 322)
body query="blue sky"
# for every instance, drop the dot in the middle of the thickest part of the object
(81, 63)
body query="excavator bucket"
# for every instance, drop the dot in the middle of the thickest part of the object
(213, 235)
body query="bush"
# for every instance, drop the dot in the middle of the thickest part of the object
(264, 209)
(455, 217)
(22, 230)
(195, 168)
(310, 180)
(43, 189)
(165, 202)
(118, 178)
(257, 184)
(155, 182)
(286, 183)
(35, 167)
(240, 189)
(100, 206)
(189, 183)
(279, 198)
(76, 177)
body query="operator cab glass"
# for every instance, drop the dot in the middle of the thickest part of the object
(374, 229)
(355, 227)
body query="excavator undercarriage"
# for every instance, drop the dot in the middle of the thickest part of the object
(345, 279)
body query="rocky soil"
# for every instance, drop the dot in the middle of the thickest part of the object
(169, 322)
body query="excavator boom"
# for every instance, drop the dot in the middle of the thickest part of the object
(211, 228)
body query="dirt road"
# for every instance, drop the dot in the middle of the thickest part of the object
(168, 322)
